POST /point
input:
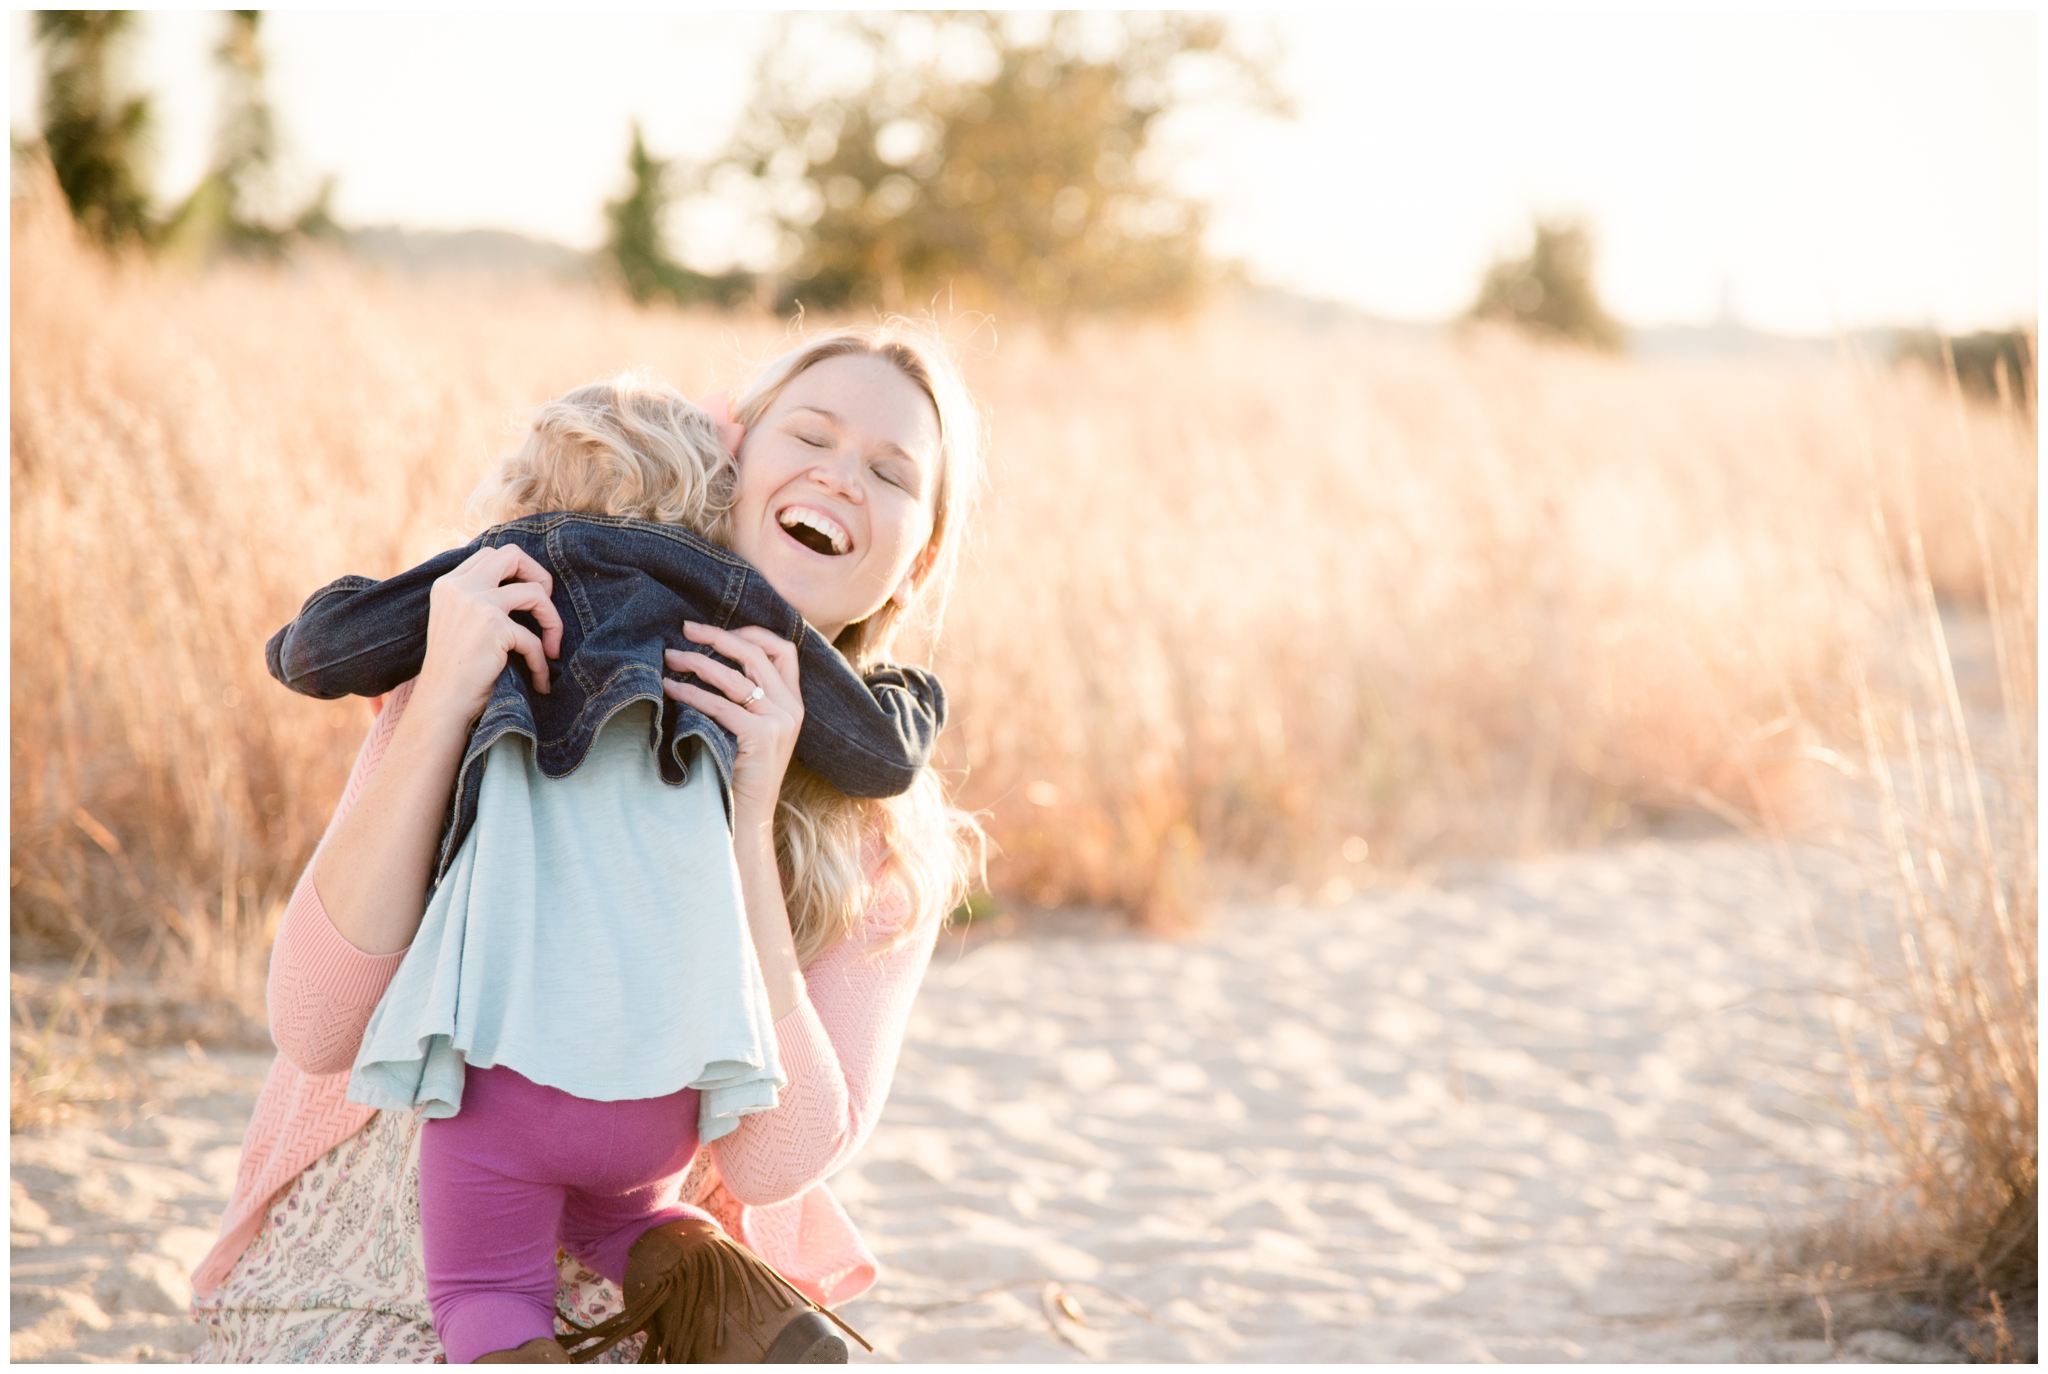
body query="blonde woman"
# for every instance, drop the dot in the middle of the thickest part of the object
(867, 438)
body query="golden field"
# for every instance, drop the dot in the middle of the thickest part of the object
(1241, 592)
(1249, 605)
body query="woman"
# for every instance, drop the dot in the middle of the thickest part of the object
(871, 432)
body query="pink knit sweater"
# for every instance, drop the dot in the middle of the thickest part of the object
(838, 1048)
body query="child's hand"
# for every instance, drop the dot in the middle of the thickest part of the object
(470, 628)
(762, 705)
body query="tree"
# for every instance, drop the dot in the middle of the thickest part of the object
(979, 157)
(1551, 290)
(240, 205)
(1995, 364)
(637, 242)
(96, 137)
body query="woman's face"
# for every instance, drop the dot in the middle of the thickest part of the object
(835, 488)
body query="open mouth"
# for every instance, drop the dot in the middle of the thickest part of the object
(815, 530)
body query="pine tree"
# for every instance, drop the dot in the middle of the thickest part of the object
(236, 206)
(1551, 290)
(96, 138)
(637, 218)
(637, 243)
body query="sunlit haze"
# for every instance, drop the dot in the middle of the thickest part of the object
(1804, 171)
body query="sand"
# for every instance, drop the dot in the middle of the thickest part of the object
(1535, 1111)
(109, 1210)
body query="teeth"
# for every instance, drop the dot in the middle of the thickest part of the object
(823, 524)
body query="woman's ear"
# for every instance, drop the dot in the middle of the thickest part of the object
(906, 590)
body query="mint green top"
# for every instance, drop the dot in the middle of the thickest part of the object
(589, 935)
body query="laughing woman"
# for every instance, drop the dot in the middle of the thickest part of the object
(866, 440)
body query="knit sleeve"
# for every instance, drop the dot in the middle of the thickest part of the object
(322, 988)
(838, 1049)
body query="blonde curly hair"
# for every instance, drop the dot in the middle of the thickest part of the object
(628, 445)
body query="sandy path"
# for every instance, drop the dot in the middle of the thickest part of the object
(109, 1211)
(1535, 1114)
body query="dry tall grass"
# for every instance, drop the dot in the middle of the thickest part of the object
(1244, 593)
(1292, 599)
(1942, 1027)
(1954, 1088)
(1966, 916)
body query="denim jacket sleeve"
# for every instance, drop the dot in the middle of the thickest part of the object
(870, 736)
(867, 736)
(358, 637)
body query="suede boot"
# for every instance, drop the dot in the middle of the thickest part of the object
(539, 1350)
(703, 1298)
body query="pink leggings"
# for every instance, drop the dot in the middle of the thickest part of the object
(523, 1168)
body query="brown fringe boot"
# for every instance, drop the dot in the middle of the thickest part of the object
(703, 1298)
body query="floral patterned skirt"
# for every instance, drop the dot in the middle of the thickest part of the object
(335, 1277)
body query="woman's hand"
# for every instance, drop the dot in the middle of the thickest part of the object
(470, 630)
(372, 871)
(761, 704)
(763, 707)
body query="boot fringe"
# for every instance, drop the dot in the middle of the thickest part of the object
(690, 1305)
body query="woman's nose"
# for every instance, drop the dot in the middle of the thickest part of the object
(839, 472)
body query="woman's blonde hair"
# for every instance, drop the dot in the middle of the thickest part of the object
(633, 446)
(826, 843)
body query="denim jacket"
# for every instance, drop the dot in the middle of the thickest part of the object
(623, 588)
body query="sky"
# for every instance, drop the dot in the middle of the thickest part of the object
(1801, 171)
